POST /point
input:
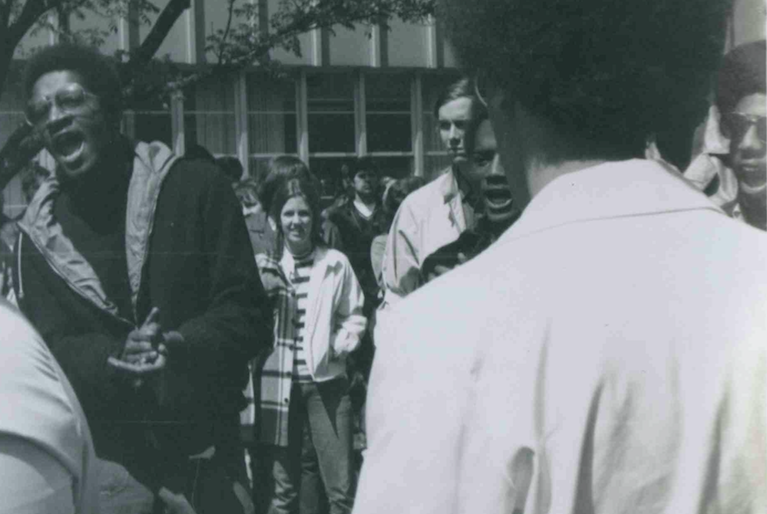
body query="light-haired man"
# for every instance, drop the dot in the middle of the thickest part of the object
(438, 213)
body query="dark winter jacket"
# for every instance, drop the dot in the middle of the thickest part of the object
(357, 233)
(187, 253)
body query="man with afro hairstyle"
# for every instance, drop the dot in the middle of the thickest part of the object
(741, 98)
(136, 269)
(607, 354)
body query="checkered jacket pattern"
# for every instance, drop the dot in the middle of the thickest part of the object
(273, 373)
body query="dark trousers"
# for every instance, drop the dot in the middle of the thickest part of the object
(319, 451)
(206, 484)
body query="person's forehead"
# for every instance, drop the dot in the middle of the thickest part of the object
(754, 104)
(484, 137)
(458, 109)
(53, 81)
(296, 202)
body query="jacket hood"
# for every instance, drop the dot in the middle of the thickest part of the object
(151, 164)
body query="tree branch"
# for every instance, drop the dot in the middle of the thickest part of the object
(32, 10)
(5, 14)
(301, 24)
(159, 32)
(226, 31)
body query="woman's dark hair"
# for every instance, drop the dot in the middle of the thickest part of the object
(97, 72)
(231, 166)
(603, 75)
(305, 188)
(742, 74)
(463, 88)
(281, 168)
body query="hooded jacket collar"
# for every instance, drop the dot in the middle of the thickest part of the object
(151, 163)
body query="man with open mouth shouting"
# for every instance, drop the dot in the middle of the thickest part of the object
(136, 268)
(439, 213)
(498, 210)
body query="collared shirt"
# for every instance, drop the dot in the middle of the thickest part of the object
(428, 219)
(607, 354)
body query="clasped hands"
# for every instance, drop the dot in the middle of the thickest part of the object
(145, 353)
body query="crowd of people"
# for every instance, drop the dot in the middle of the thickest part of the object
(567, 318)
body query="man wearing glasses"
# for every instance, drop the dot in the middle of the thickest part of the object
(607, 354)
(136, 268)
(741, 100)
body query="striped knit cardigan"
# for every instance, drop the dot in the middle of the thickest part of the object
(273, 373)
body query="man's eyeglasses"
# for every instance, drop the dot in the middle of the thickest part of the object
(735, 125)
(69, 100)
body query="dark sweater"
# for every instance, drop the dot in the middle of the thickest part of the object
(357, 233)
(201, 274)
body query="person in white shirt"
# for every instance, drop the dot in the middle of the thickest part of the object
(607, 354)
(47, 462)
(445, 208)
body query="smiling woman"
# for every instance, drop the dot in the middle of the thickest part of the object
(296, 206)
(296, 225)
(317, 307)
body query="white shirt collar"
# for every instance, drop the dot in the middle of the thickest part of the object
(609, 190)
(364, 209)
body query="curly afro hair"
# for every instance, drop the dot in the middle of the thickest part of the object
(605, 74)
(742, 74)
(97, 71)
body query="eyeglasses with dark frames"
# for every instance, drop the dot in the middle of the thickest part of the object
(735, 125)
(70, 100)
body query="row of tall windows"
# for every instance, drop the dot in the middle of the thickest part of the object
(327, 117)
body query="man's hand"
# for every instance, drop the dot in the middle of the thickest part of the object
(175, 503)
(144, 353)
(441, 269)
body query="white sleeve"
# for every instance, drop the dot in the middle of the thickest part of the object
(415, 407)
(39, 410)
(32, 480)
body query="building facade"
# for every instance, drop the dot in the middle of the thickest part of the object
(369, 91)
